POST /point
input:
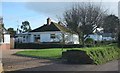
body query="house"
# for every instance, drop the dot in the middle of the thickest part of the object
(99, 35)
(102, 37)
(4, 36)
(48, 33)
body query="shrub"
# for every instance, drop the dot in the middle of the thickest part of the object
(99, 55)
(89, 41)
(77, 56)
(102, 55)
(119, 39)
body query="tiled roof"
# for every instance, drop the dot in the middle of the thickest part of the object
(46, 27)
(52, 27)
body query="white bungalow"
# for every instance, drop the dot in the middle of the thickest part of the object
(48, 33)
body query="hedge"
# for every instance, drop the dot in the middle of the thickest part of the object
(119, 39)
(45, 45)
(99, 55)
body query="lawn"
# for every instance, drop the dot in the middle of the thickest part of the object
(53, 53)
(99, 55)
(43, 53)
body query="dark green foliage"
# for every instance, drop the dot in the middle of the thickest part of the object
(104, 55)
(111, 23)
(45, 45)
(11, 31)
(25, 26)
(119, 39)
(77, 56)
(89, 41)
(99, 55)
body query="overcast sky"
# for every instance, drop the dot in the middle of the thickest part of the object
(37, 12)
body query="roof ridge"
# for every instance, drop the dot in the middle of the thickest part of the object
(63, 28)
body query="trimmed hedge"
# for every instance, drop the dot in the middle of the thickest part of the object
(45, 45)
(119, 39)
(76, 57)
(103, 55)
(99, 55)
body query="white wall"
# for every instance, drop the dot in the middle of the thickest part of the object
(31, 38)
(71, 38)
(96, 37)
(7, 38)
(76, 39)
(108, 38)
(100, 37)
(45, 37)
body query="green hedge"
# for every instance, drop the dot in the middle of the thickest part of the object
(103, 55)
(99, 55)
(119, 39)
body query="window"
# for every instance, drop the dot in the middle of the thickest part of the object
(37, 38)
(52, 36)
(23, 36)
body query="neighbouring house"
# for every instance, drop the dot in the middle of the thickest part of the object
(48, 33)
(99, 35)
(102, 37)
(4, 36)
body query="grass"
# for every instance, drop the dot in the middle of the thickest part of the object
(56, 53)
(42, 53)
(53, 53)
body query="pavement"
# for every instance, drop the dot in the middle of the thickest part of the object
(17, 63)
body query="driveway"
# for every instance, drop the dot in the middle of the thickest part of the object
(17, 63)
(12, 62)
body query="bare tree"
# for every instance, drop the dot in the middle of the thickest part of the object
(83, 18)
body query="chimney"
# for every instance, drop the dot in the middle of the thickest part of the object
(48, 21)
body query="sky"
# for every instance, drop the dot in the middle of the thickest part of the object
(14, 13)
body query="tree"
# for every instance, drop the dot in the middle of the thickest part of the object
(83, 19)
(111, 25)
(25, 26)
(12, 32)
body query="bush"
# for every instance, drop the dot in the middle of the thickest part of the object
(77, 57)
(89, 41)
(119, 39)
(45, 45)
(103, 55)
(99, 55)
